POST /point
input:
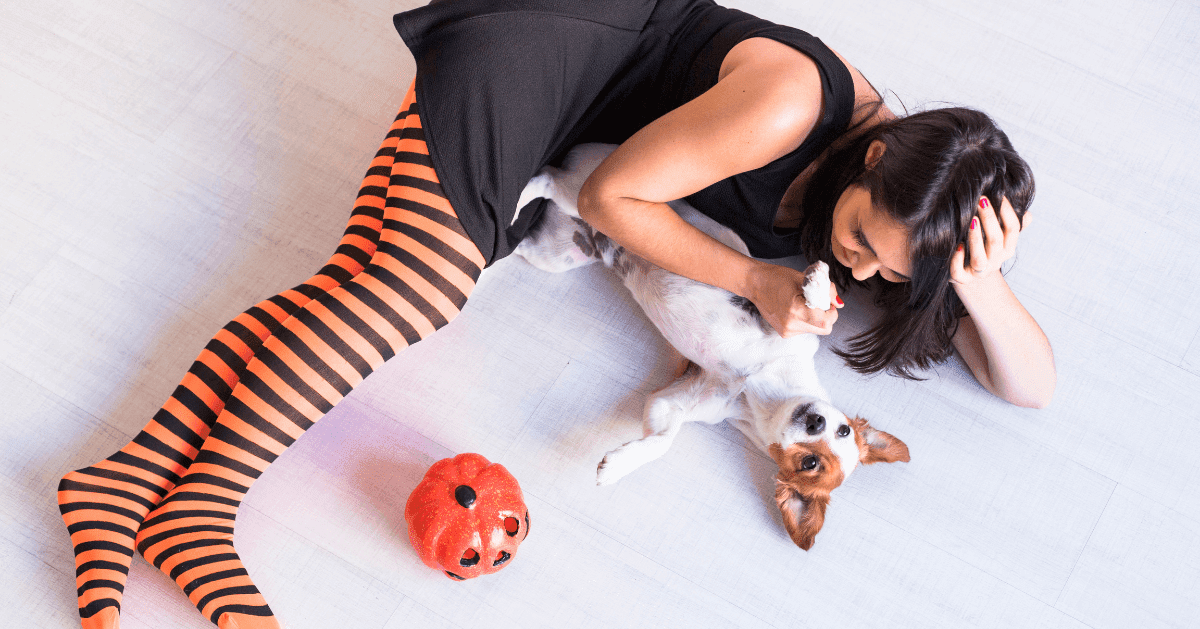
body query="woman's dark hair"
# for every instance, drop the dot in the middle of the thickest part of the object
(936, 166)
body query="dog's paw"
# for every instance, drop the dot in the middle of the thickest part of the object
(816, 286)
(616, 465)
(541, 186)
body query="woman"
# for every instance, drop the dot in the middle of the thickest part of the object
(760, 126)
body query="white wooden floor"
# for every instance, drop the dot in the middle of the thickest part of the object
(164, 164)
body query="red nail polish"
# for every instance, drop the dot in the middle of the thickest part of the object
(974, 222)
(840, 302)
(983, 203)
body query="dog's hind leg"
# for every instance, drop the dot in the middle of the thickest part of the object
(694, 396)
(554, 244)
(560, 240)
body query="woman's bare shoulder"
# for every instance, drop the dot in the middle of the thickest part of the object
(777, 60)
(785, 82)
(761, 53)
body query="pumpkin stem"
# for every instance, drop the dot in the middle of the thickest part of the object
(465, 496)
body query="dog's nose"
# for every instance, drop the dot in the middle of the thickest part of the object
(814, 424)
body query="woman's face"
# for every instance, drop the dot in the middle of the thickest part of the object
(867, 240)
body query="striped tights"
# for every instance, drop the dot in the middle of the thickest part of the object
(403, 269)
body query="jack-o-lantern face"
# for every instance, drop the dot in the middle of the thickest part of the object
(467, 517)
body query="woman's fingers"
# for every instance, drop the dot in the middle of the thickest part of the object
(993, 232)
(779, 297)
(823, 320)
(809, 321)
(805, 320)
(834, 300)
(1008, 217)
(1012, 228)
(977, 246)
(958, 270)
(991, 240)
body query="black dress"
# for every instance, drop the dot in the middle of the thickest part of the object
(505, 87)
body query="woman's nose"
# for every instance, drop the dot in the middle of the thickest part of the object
(864, 268)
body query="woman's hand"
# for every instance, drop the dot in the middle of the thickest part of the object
(999, 341)
(992, 241)
(778, 292)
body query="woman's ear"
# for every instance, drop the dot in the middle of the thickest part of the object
(874, 152)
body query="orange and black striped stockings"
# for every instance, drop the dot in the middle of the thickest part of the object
(421, 270)
(103, 505)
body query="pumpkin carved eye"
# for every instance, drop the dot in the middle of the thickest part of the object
(511, 526)
(469, 558)
(504, 556)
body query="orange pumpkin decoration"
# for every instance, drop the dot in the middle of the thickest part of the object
(467, 517)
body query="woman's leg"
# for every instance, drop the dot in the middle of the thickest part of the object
(417, 281)
(104, 505)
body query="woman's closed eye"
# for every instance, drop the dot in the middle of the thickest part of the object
(888, 274)
(861, 238)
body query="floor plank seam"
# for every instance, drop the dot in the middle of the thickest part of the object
(1083, 548)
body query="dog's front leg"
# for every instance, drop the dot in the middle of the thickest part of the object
(694, 396)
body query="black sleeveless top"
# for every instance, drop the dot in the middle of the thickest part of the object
(505, 87)
(749, 201)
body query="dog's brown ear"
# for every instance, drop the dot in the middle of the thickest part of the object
(875, 446)
(803, 515)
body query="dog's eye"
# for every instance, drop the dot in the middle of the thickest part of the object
(843, 430)
(809, 463)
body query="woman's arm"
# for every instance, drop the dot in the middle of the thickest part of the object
(757, 112)
(1000, 342)
(1003, 346)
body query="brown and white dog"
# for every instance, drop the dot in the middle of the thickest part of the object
(740, 369)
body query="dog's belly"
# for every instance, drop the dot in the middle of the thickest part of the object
(706, 327)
